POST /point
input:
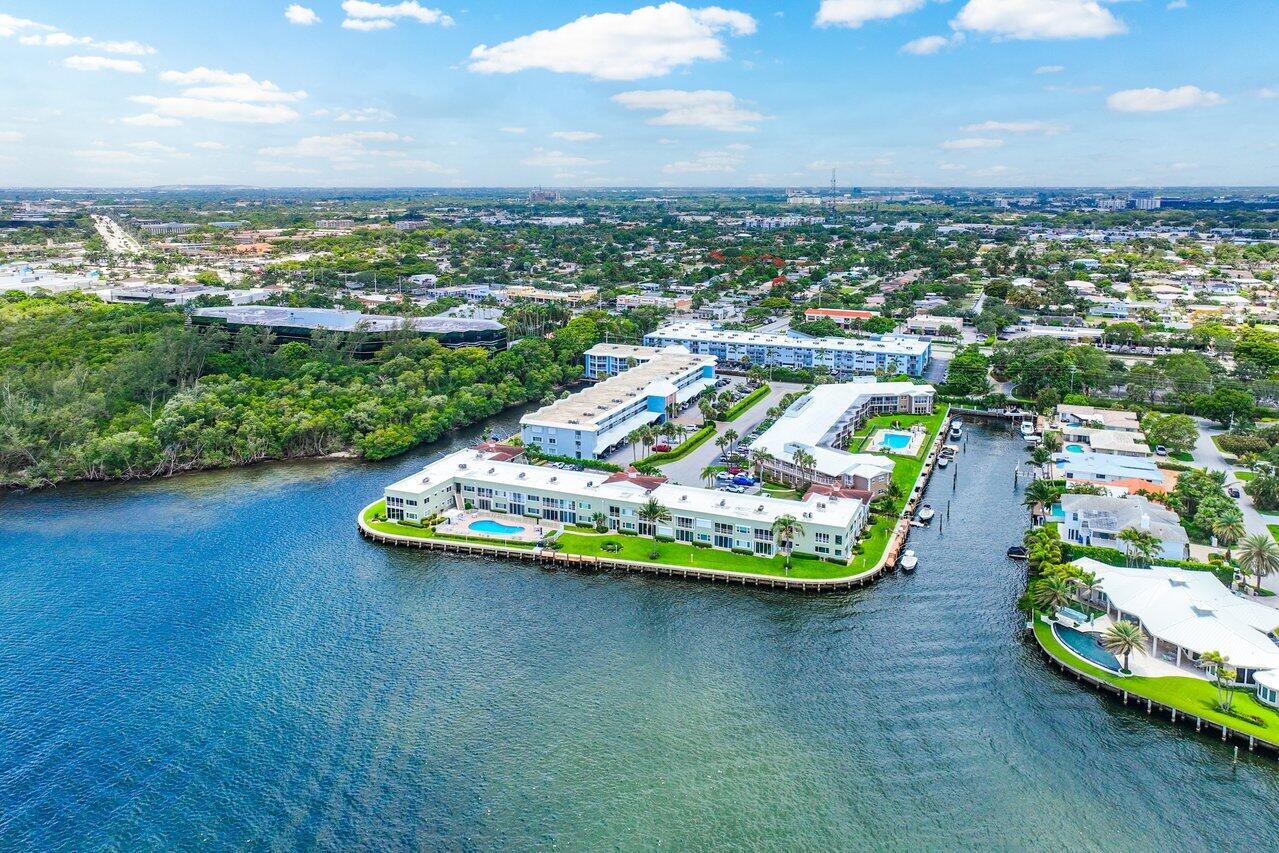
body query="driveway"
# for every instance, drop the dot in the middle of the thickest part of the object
(1206, 455)
(688, 471)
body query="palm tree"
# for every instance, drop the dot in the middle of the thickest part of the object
(785, 529)
(760, 458)
(1139, 543)
(1041, 494)
(707, 408)
(801, 459)
(1259, 557)
(722, 443)
(1228, 530)
(1050, 593)
(732, 436)
(651, 514)
(708, 474)
(1086, 583)
(1040, 456)
(1222, 675)
(600, 520)
(1123, 638)
(634, 437)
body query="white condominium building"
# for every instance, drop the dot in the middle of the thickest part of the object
(484, 479)
(611, 359)
(822, 422)
(592, 423)
(888, 354)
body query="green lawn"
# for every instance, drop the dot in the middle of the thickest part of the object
(1274, 530)
(396, 529)
(1189, 695)
(1243, 476)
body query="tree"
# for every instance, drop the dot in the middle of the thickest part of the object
(785, 529)
(651, 514)
(1223, 676)
(634, 437)
(1264, 488)
(1041, 494)
(966, 375)
(1227, 406)
(732, 436)
(1140, 544)
(1178, 433)
(1050, 593)
(1259, 557)
(1228, 530)
(600, 521)
(803, 462)
(760, 458)
(1123, 638)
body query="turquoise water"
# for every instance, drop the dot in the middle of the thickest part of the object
(1074, 448)
(897, 440)
(219, 662)
(488, 525)
(1088, 647)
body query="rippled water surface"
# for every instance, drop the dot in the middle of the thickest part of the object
(219, 661)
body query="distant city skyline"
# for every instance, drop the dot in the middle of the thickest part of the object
(921, 93)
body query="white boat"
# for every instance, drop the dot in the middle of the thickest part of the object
(908, 561)
(956, 432)
(943, 461)
(1027, 427)
(925, 513)
(1033, 440)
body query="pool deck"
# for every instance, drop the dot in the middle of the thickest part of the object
(532, 529)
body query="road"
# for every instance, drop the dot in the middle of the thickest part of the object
(1206, 455)
(118, 241)
(688, 471)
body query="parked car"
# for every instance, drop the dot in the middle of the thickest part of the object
(743, 480)
(661, 448)
(1234, 492)
(1160, 450)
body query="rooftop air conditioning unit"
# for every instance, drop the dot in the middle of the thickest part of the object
(461, 466)
(522, 475)
(555, 479)
(492, 471)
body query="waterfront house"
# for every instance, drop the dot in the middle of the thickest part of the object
(1095, 418)
(1128, 473)
(1099, 519)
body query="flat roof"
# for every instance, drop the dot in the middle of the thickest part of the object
(892, 344)
(588, 407)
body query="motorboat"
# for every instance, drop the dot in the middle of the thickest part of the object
(1028, 427)
(949, 450)
(907, 561)
(943, 461)
(1018, 552)
(956, 431)
(925, 513)
(1033, 440)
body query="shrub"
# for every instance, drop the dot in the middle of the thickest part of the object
(628, 533)
(611, 547)
(583, 525)
(743, 551)
(654, 554)
(1238, 444)
(701, 544)
(664, 538)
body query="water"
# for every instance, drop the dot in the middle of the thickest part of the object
(896, 440)
(1087, 646)
(1074, 448)
(218, 661)
(488, 525)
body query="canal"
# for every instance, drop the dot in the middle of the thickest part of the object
(219, 661)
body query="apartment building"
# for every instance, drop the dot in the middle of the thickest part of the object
(888, 354)
(594, 422)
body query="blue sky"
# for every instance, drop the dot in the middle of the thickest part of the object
(484, 93)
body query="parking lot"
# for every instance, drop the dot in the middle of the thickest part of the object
(690, 417)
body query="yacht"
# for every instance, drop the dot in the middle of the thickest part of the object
(943, 461)
(908, 561)
(1028, 427)
(956, 431)
(925, 513)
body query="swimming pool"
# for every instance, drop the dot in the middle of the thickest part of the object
(1087, 646)
(493, 528)
(896, 440)
(1074, 448)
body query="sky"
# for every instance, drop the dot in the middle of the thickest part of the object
(596, 94)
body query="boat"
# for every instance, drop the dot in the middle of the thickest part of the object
(949, 450)
(956, 432)
(907, 561)
(1033, 440)
(925, 513)
(943, 461)
(1017, 552)
(1027, 427)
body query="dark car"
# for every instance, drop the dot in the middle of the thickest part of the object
(1234, 492)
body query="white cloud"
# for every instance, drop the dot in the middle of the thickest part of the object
(218, 85)
(649, 42)
(1039, 19)
(1162, 100)
(108, 156)
(365, 114)
(854, 13)
(301, 15)
(227, 111)
(158, 149)
(210, 146)
(872, 162)
(150, 120)
(1268, 94)
(558, 159)
(339, 148)
(1044, 127)
(61, 39)
(1177, 4)
(971, 143)
(103, 63)
(10, 26)
(926, 46)
(367, 17)
(708, 108)
(268, 166)
(513, 130)
(575, 135)
(12, 136)
(665, 141)
(706, 161)
(428, 166)
(1050, 69)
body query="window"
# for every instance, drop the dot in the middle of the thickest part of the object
(722, 541)
(820, 549)
(821, 537)
(682, 535)
(764, 548)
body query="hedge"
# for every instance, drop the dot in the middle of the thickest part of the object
(746, 402)
(686, 447)
(1115, 557)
